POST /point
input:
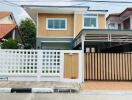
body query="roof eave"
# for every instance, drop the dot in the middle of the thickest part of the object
(33, 10)
(55, 6)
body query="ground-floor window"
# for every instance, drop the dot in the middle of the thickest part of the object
(56, 45)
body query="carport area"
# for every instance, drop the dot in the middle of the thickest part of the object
(107, 47)
(104, 41)
(107, 55)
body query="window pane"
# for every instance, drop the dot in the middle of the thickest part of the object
(56, 24)
(93, 22)
(62, 24)
(50, 23)
(89, 22)
(90, 15)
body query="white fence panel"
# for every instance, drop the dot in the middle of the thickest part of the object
(25, 62)
(18, 62)
(51, 63)
(33, 63)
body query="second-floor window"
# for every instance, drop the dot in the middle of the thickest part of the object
(56, 24)
(90, 21)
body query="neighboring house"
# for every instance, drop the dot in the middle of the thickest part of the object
(8, 27)
(120, 21)
(57, 26)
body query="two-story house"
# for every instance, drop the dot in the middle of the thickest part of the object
(99, 53)
(77, 27)
(57, 26)
(120, 21)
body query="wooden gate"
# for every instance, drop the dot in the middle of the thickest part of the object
(71, 66)
(108, 66)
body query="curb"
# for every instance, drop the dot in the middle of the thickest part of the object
(42, 90)
(5, 90)
(36, 90)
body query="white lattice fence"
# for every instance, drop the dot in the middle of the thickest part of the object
(18, 62)
(50, 63)
(29, 62)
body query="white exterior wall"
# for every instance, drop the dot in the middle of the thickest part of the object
(109, 22)
(6, 20)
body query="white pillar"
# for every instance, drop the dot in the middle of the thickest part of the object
(74, 25)
(122, 27)
(81, 68)
(39, 64)
(130, 22)
(0, 45)
(83, 65)
(13, 35)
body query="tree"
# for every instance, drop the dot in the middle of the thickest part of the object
(9, 44)
(28, 29)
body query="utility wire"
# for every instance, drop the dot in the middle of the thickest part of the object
(4, 3)
(10, 3)
(73, 1)
(50, 0)
(81, 2)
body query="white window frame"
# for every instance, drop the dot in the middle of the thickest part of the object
(90, 16)
(65, 19)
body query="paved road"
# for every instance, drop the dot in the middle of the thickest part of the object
(80, 96)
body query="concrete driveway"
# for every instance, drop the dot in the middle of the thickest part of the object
(107, 85)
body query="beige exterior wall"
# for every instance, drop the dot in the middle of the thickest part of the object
(101, 21)
(71, 29)
(6, 20)
(78, 23)
(42, 32)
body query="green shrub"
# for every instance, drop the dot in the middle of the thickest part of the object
(9, 44)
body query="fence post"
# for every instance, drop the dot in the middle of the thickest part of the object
(39, 64)
(81, 66)
(82, 57)
(62, 65)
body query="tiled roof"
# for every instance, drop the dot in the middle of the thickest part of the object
(6, 29)
(4, 14)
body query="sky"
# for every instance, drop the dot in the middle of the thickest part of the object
(19, 13)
